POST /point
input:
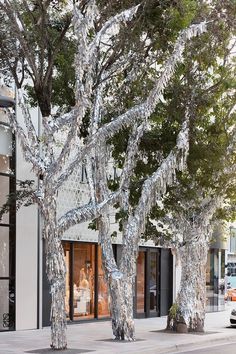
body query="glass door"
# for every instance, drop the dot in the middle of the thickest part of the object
(83, 280)
(153, 283)
(103, 301)
(147, 283)
(140, 285)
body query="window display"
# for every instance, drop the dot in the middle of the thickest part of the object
(83, 274)
(87, 294)
(83, 280)
(4, 164)
(140, 282)
(67, 261)
(153, 282)
(103, 296)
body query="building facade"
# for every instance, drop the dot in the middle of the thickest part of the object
(8, 220)
(215, 269)
(231, 258)
(24, 290)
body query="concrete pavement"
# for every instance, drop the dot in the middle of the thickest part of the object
(96, 337)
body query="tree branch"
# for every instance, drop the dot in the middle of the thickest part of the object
(143, 110)
(85, 213)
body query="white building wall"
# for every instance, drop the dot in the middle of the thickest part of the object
(26, 249)
(74, 193)
(176, 276)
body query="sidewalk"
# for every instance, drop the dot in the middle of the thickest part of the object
(96, 337)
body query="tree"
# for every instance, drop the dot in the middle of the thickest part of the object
(193, 223)
(36, 30)
(95, 65)
(121, 278)
(209, 84)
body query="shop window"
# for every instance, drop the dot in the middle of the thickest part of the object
(3, 116)
(83, 281)
(4, 251)
(4, 164)
(5, 139)
(4, 191)
(212, 280)
(103, 297)
(4, 305)
(141, 282)
(153, 282)
(7, 226)
(66, 247)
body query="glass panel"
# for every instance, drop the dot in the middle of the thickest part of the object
(216, 272)
(209, 292)
(212, 280)
(4, 251)
(140, 281)
(66, 246)
(83, 282)
(3, 116)
(103, 297)
(153, 282)
(5, 140)
(4, 191)
(4, 305)
(222, 273)
(4, 164)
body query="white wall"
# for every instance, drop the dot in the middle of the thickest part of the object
(26, 250)
(176, 276)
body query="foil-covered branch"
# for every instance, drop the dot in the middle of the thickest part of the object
(130, 163)
(12, 13)
(152, 190)
(64, 120)
(86, 212)
(60, 161)
(90, 177)
(84, 62)
(112, 24)
(155, 186)
(29, 153)
(32, 136)
(141, 111)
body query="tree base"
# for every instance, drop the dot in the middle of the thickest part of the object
(181, 328)
(196, 326)
(125, 332)
(58, 349)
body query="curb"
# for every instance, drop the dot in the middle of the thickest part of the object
(178, 348)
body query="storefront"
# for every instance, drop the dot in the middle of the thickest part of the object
(215, 270)
(154, 283)
(8, 220)
(86, 290)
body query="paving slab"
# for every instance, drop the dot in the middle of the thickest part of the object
(96, 337)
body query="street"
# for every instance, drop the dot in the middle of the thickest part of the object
(225, 348)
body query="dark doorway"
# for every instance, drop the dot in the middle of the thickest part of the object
(154, 282)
